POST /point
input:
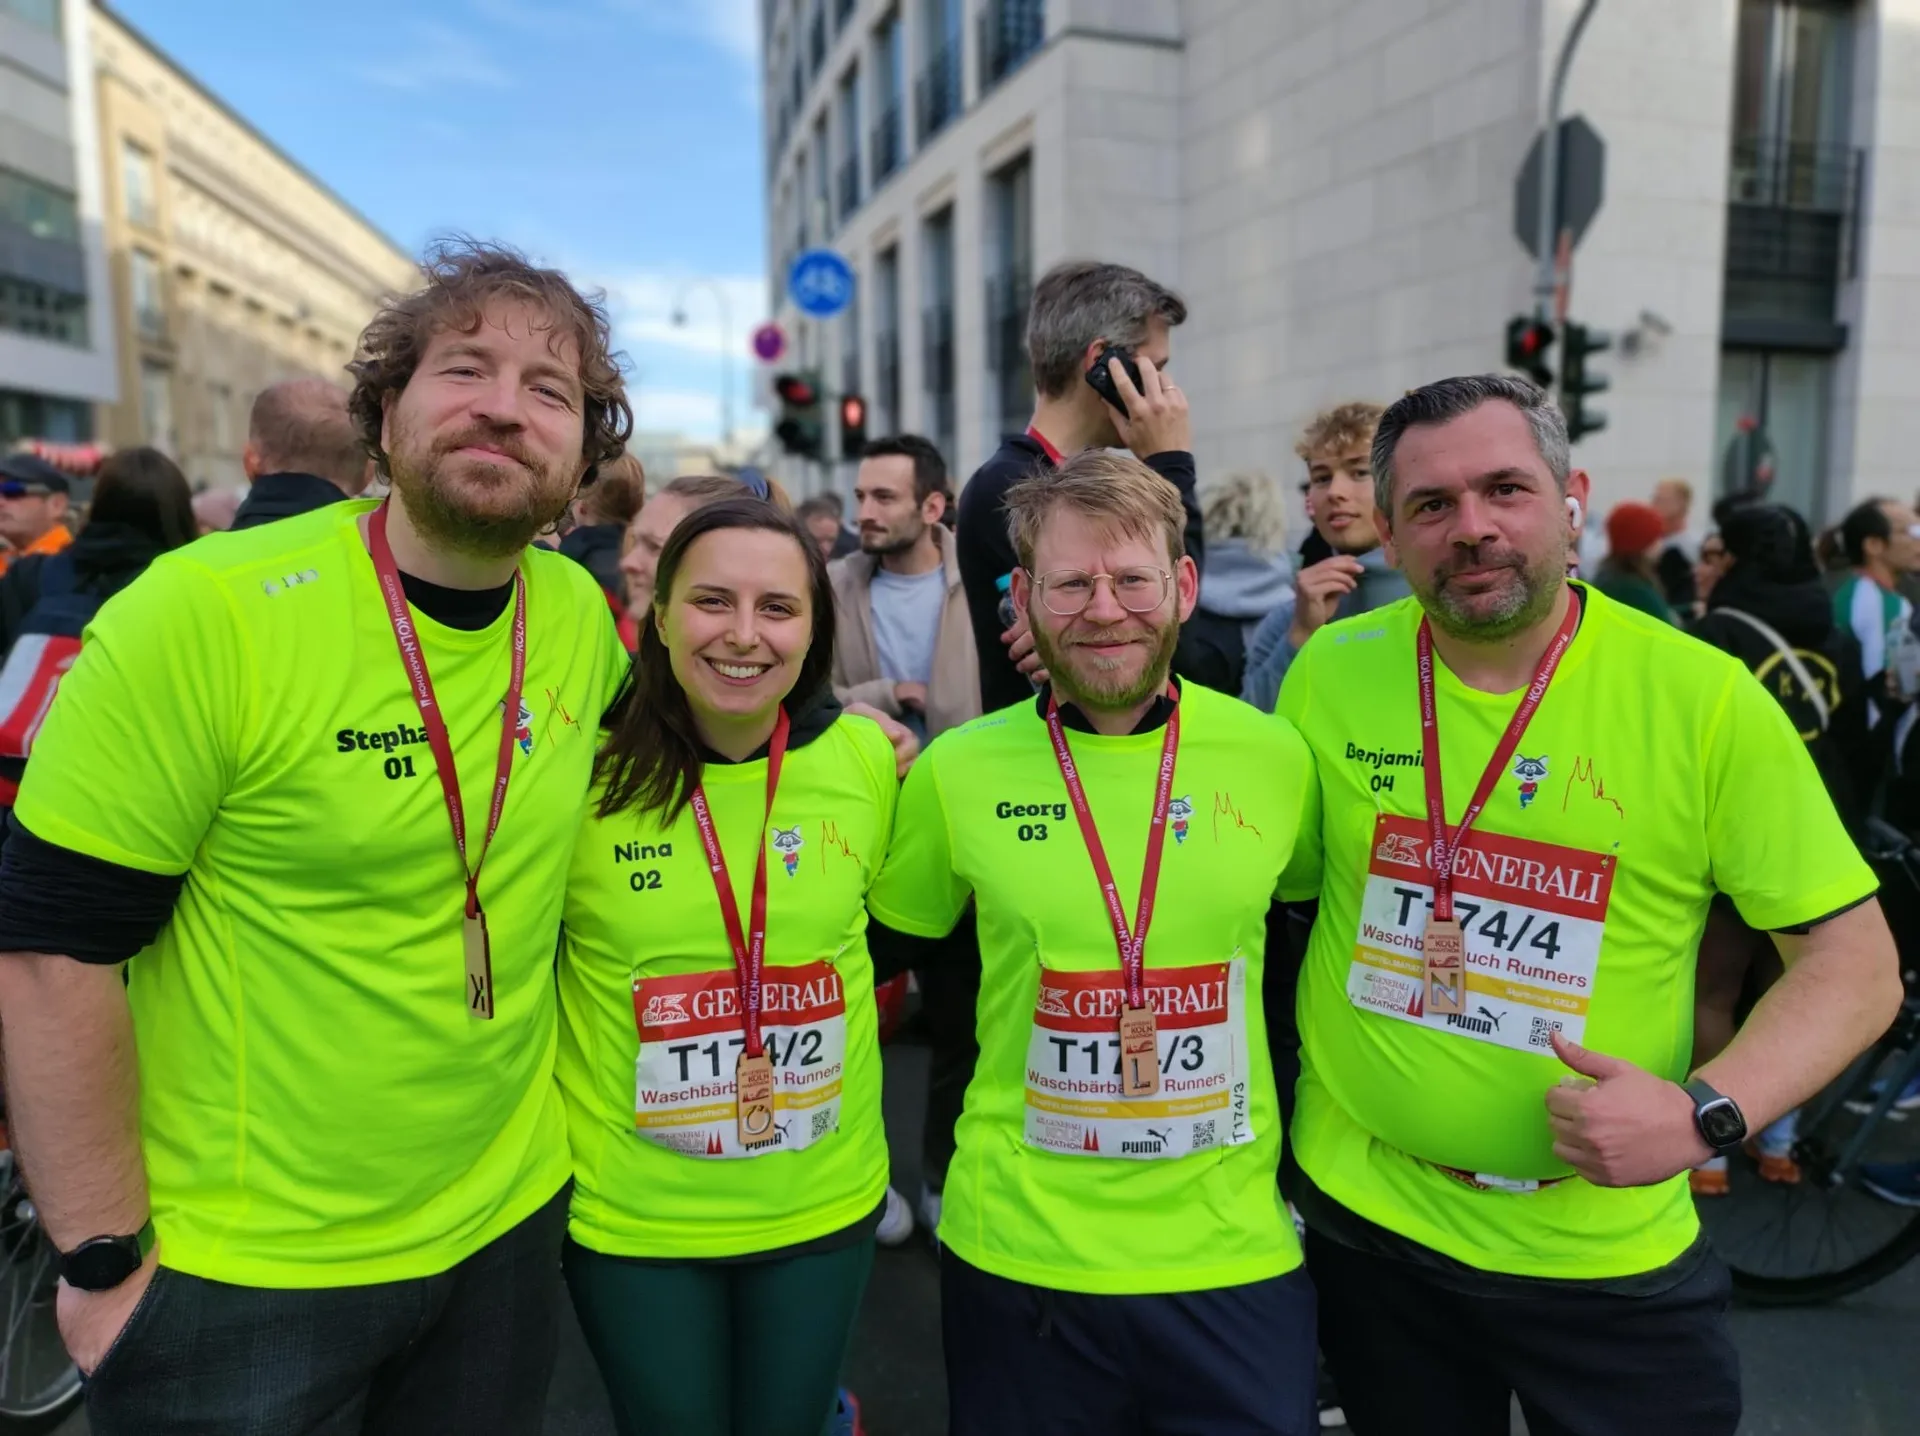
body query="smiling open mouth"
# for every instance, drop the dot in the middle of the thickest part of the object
(738, 672)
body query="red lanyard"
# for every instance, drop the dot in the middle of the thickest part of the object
(1046, 444)
(1443, 850)
(749, 950)
(1131, 944)
(416, 664)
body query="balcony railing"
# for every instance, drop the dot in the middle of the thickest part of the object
(1791, 221)
(1008, 296)
(1010, 32)
(849, 186)
(886, 142)
(937, 92)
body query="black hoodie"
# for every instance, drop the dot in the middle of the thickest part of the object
(107, 556)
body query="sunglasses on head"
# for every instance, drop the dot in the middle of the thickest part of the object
(15, 489)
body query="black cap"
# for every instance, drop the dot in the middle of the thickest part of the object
(32, 469)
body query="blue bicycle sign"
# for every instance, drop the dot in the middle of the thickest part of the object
(820, 283)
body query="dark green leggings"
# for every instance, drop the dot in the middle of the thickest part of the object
(669, 1337)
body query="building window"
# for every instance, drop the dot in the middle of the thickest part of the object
(886, 341)
(41, 14)
(41, 210)
(39, 416)
(1009, 290)
(936, 331)
(816, 38)
(849, 105)
(156, 406)
(28, 308)
(843, 12)
(149, 309)
(822, 196)
(1772, 427)
(889, 98)
(137, 187)
(937, 92)
(220, 416)
(1010, 31)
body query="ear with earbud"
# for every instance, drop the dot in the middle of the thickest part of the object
(1573, 511)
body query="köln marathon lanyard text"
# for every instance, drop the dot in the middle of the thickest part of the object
(473, 925)
(1139, 1034)
(1443, 946)
(753, 1074)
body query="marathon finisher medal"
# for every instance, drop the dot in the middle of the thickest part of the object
(753, 1099)
(473, 932)
(1445, 948)
(1139, 1053)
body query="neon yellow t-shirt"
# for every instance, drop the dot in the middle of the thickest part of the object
(650, 1026)
(316, 1106)
(1655, 773)
(1057, 1181)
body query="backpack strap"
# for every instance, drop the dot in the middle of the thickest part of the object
(1790, 658)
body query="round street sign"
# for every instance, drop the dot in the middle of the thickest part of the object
(769, 342)
(820, 283)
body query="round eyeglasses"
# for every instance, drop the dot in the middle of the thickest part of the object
(1066, 592)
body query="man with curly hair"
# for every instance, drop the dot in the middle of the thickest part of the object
(313, 788)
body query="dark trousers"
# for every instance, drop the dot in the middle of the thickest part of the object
(1414, 1349)
(1027, 1361)
(469, 1350)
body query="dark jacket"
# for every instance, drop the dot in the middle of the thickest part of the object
(986, 551)
(108, 556)
(596, 548)
(281, 496)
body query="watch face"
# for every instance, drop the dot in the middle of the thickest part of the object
(101, 1264)
(1721, 1123)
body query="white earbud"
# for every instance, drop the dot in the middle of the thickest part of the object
(1573, 511)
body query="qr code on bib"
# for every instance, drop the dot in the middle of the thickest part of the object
(1542, 1032)
(1205, 1134)
(822, 1124)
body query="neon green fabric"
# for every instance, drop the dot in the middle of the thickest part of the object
(646, 953)
(1655, 773)
(984, 813)
(317, 1107)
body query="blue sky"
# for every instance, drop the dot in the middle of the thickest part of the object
(616, 138)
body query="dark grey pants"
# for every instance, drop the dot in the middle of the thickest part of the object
(469, 1350)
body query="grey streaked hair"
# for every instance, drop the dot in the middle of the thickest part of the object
(1448, 399)
(1080, 301)
(1245, 506)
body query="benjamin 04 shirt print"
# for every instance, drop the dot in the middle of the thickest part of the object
(651, 1026)
(1058, 1181)
(1655, 773)
(317, 1106)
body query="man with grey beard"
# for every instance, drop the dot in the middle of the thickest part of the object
(1530, 795)
(315, 787)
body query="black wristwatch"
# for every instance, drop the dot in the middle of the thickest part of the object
(1719, 1118)
(102, 1263)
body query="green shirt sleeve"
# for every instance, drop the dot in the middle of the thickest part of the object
(918, 891)
(1776, 845)
(143, 739)
(1300, 882)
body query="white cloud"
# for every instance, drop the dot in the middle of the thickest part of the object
(693, 412)
(439, 57)
(643, 306)
(729, 25)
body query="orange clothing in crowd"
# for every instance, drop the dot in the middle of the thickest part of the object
(52, 541)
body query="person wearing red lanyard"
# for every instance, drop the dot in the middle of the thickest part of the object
(720, 1059)
(1531, 795)
(1116, 1254)
(319, 783)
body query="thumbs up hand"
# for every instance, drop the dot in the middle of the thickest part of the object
(1618, 1125)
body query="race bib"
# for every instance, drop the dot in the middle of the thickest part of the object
(1074, 1104)
(691, 1040)
(1532, 913)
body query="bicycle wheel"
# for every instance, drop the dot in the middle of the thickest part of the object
(38, 1380)
(1823, 1237)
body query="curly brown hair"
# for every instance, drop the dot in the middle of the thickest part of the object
(1336, 430)
(462, 276)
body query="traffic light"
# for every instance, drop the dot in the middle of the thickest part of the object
(853, 426)
(1576, 381)
(1527, 343)
(798, 429)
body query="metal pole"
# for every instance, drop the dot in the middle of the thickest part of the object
(726, 349)
(1544, 238)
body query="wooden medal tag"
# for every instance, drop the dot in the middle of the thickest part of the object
(1139, 1052)
(473, 935)
(753, 1099)
(1444, 947)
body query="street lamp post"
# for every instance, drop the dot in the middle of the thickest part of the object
(726, 347)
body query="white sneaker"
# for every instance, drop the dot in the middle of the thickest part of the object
(896, 1223)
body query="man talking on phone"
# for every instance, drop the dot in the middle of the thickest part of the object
(1098, 336)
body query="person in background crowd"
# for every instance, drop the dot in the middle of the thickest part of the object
(1248, 573)
(719, 1248)
(1708, 568)
(333, 1193)
(602, 514)
(301, 453)
(214, 509)
(1680, 550)
(1880, 540)
(650, 528)
(1770, 611)
(33, 507)
(1079, 310)
(1491, 1135)
(1626, 575)
(1117, 1258)
(848, 539)
(822, 516)
(1354, 575)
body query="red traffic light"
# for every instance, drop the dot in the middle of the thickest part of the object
(853, 411)
(795, 391)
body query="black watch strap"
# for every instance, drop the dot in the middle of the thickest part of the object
(1721, 1123)
(102, 1263)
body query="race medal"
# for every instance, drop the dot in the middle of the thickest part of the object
(753, 1099)
(1139, 1053)
(473, 934)
(1444, 947)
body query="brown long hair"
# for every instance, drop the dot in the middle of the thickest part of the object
(651, 759)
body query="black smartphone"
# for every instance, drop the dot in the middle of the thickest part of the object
(1102, 380)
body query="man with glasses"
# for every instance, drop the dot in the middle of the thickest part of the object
(1116, 1255)
(33, 507)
